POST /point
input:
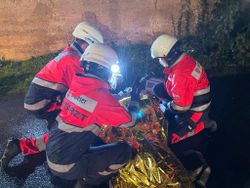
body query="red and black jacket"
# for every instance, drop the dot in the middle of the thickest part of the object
(188, 86)
(52, 82)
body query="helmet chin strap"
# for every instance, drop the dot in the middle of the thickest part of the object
(163, 62)
(112, 82)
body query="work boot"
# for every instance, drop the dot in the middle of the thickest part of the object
(203, 177)
(195, 173)
(12, 150)
(211, 125)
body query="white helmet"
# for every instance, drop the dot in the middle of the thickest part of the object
(162, 46)
(87, 33)
(100, 54)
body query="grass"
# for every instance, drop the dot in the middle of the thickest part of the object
(15, 77)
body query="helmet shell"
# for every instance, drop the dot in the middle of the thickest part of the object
(87, 33)
(162, 46)
(100, 54)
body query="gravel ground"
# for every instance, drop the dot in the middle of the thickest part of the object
(16, 122)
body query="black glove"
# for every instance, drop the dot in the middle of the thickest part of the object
(183, 127)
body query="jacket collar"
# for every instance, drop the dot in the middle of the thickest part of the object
(97, 80)
(77, 48)
(177, 61)
(167, 70)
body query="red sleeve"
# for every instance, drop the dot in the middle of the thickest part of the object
(110, 112)
(182, 89)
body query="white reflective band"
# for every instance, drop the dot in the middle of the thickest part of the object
(112, 169)
(37, 106)
(63, 54)
(116, 166)
(60, 168)
(189, 134)
(180, 108)
(201, 108)
(202, 91)
(51, 85)
(40, 143)
(71, 128)
(82, 101)
(105, 173)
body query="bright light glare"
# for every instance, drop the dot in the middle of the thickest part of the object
(139, 114)
(115, 68)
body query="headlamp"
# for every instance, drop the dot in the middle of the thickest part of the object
(115, 69)
(116, 78)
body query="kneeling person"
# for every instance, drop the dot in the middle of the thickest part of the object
(49, 86)
(87, 106)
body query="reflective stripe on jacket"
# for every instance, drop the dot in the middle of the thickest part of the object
(61, 69)
(53, 80)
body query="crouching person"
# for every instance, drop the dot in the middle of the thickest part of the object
(87, 106)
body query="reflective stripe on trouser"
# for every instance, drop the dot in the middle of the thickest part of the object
(202, 91)
(201, 107)
(38, 105)
(33, 145)
(71, 128)
(96, 166)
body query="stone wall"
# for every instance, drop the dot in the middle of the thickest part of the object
(36, 27)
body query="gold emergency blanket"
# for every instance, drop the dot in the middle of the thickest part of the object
(154, 165)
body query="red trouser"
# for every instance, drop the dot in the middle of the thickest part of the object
(33, 145)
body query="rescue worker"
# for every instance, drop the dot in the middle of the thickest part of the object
(49, 87)
(186, 91)
(87, 106)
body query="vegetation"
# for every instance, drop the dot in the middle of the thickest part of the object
(221, 42)
(136, 61)
(222, 38)
(15, 77)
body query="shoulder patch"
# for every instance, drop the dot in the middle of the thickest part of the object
(196, 73)
(63, 54)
